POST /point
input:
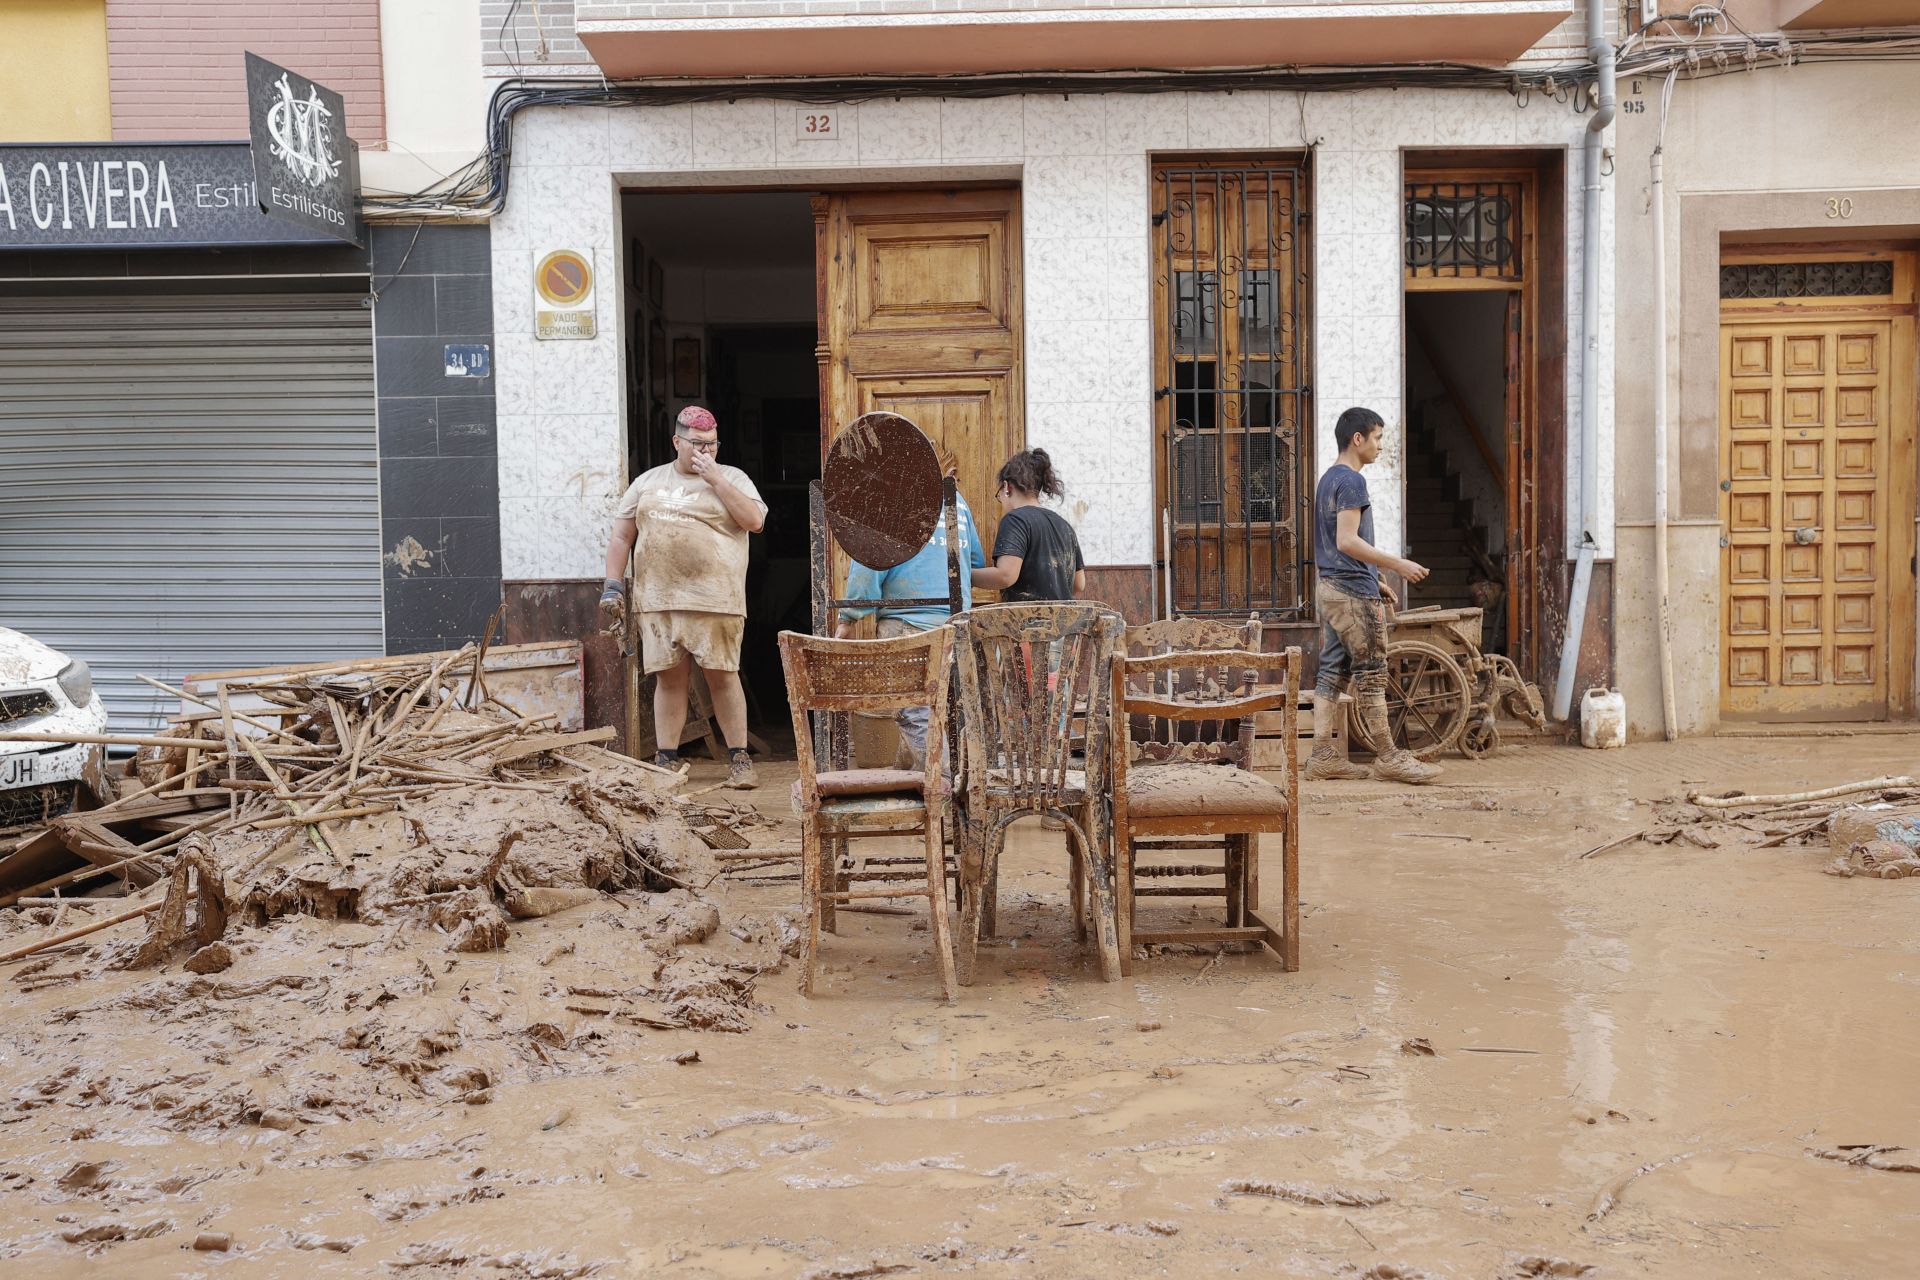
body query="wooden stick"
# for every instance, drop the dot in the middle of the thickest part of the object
(34, 948)
(1797, 797)
(1628, 838)
(162, 785)
(109, 740)
(310, 817)
(280, 789)
(1794, 834)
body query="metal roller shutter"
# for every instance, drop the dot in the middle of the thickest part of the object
(189, 483)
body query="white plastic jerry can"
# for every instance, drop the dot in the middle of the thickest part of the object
(1603, 719)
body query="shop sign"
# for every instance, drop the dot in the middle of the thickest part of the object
(109, 195)
(563, 295)
(305, 167)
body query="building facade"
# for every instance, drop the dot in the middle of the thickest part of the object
(1782, 334)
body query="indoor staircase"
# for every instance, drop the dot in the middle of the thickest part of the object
(1441, 529)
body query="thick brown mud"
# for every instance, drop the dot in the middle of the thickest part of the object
(1497, 1060)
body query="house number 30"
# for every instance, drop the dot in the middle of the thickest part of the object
(1839, 206)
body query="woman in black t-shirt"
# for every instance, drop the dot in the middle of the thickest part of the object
(1035, 553)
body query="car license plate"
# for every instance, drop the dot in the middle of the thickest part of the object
(18, 770)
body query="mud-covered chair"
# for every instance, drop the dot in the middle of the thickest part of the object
(826, 676)
(1029, 675)
(1198, 790)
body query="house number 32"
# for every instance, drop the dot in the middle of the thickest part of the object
(1839, 206)
(815, 125)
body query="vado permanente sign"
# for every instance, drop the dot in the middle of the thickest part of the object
(305, 169)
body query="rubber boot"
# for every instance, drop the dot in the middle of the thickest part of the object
(1326, 763)
(1392, 764)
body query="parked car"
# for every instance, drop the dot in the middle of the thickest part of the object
(45, 691)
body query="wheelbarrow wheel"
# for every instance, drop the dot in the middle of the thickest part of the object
(1427, 700)
(1481, 739)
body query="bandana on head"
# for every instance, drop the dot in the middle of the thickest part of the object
(694, 418)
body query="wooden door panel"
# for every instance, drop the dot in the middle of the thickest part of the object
(1804, 442)
(920, 313)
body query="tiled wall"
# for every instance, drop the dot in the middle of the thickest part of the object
(439, 488)
(1082, 162)
(178, 70)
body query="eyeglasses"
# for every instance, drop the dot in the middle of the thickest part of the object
(710, 446)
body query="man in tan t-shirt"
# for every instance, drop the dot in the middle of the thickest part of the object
(684, 527)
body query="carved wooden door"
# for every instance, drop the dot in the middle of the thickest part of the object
(1807, 485)
(919, 296)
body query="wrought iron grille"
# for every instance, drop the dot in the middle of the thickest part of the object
(1864, 279)
(1231, 284)
(1463, 229)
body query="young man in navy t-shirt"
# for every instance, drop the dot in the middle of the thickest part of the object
(1353, 604)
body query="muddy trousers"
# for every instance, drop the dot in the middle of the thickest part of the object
(1353, 645)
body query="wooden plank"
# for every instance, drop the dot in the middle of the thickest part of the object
(552, 742)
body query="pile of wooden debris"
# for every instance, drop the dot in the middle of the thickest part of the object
(386, 791)
(1849, 819)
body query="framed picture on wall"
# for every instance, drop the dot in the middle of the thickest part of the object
(686, 368)
(656, 286)
(657, 361)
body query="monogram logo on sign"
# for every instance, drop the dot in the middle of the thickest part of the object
(302, 138)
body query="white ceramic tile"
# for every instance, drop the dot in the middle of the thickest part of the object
(512, 291)
(642, 138)
(1376, 356)
(1291, 120)
(577, 530)
(1066, 196)
(899, 129)
(579, 455)
(1358, 190)
(522, 548)
(1332, 351)
(546, 136)
(517, 445)
(795, 146)
(1143, 122)
(1114, 521)
(514, 366)
(1129, 277)
(732, 134)
(1373, 274)
(1129, 197)
(575, 376)
(1216, 121)
(1066, 361)
(557, 207)
(1129, 363)
(1065, 278)
(1381, 120)
(1065, 126)
(981, 128)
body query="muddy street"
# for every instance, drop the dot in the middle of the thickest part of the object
(1498, 1060)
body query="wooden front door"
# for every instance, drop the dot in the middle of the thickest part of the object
(1816, 509)
(919, 297)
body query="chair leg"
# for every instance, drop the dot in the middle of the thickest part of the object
(977, 902)
(1123, 901)
(810, 843)
(1105, 922)
(1077, 891)
(1290, 896)
(1236, 868)
(827, 856)
(937, 909)
(990, 897)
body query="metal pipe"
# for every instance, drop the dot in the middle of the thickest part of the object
(1662, 581)
(1601, 51)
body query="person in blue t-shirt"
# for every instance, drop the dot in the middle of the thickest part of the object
(924, 577)
(1353, 605)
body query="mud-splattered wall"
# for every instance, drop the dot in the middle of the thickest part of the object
(439, 481)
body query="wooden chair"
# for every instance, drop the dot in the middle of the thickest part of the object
(1202, 789)
(837, 805)
(1026, 672)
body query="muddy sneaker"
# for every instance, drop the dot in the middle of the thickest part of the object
(740, 774)
(1330, 766)
(1402, 766)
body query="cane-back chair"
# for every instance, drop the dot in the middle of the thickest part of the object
(1027, 673)
(827, 676)
(1190, 784)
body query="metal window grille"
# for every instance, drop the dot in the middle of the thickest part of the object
(1861, 279)
(1467, 229)
(1234, 406)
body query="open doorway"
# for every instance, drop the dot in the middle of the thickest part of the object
(1457, 409)
(721, 312)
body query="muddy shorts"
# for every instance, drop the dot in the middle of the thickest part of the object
(1353, 639)
(713, 639)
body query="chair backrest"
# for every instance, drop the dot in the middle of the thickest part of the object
(865, 675)
(1158, 738)
(1209, 687)
(1026, 672)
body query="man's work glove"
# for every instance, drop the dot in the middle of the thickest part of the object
(613, 607)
